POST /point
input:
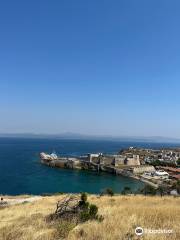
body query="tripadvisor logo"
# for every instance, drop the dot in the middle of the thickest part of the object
(139, 231)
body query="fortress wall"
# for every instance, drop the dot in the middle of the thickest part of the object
(143, 169)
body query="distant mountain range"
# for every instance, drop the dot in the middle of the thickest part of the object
(69, 135)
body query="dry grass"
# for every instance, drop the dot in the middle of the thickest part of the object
(122, 214)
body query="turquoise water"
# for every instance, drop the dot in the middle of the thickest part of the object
(21, 171)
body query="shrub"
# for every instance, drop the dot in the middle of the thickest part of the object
(93, 210)
(149, 190)
(126, 190)
(84, 197)
(84, 216)
(178, 161)
(86, 205)
(88, 211)
(109, 192)
(177, 186)
(83, 202)
(74, 210)
(159, 163)
(162, 190)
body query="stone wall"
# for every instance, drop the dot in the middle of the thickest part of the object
(142, 169)
(133, 161)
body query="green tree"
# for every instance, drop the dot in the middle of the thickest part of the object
(93, 210)
(161, 190)
(109, 192)
(84, 197)
(126, 190)
(178, 161)
(88, 211)
(177, 186)
(156, 163)
(149, 190)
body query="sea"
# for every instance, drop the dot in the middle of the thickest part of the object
(22, 173)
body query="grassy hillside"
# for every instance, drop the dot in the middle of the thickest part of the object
(122, 214)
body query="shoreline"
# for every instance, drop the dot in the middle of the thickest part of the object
(112, 171)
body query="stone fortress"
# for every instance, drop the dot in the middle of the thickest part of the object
(114, 160)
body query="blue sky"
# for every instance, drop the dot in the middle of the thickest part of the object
(93, 67)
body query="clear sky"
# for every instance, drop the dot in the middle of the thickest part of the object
(94, 67)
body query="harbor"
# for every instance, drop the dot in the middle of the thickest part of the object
(132, 162)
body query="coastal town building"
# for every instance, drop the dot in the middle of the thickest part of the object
(148, 156)
(172, 172)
